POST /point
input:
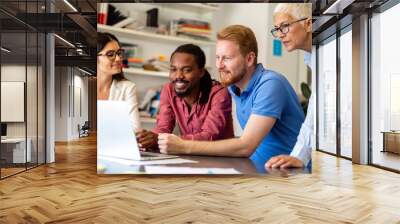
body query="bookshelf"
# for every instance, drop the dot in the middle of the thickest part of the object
(152, 44)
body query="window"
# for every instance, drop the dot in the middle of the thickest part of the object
(327, 96)
(346, 92)
(385, 89)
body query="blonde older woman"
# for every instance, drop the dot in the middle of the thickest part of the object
(111, 84)
(293, 26)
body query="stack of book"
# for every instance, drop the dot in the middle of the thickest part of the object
(191, 28)
(162, 66)
(135, 62)
(158, 64)
(131, 58)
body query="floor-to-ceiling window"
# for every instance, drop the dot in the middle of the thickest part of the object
(385, 89)
(22, 79)
(334, 96)
(326, 96)
(345, 60)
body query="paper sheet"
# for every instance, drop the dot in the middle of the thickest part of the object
(129, 162)
(188, 170)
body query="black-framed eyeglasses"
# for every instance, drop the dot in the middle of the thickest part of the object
(284, 27)
(113, 54)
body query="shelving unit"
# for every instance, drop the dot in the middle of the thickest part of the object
(138, 71)
(142, 35)
(193, 7)
(152, 44)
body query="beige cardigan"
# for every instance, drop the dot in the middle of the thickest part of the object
(125, 90)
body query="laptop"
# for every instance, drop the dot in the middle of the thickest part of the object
(115, 135)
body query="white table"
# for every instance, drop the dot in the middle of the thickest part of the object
(19, 149)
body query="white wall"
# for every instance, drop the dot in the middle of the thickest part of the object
(61, 103)
(69, 86)
(12, 73)
(33, 126)
(81, 103)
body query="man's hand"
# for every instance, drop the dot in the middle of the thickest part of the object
(283, 161)
(170, 144)
(146, 139)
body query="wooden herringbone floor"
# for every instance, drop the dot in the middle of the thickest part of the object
(70, 191)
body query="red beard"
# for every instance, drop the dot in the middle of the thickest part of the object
(228, 79)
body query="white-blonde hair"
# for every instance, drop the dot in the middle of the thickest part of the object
(296, 10)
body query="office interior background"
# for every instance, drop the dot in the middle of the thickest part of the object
(48, 87)
(358, 82)
(48, 72)
(48, 105)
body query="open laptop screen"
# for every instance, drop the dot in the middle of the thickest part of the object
(115, 135)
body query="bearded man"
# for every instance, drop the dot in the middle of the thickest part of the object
(200, 106)
(267, 107)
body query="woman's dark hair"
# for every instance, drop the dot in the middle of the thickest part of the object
(102, 40)
(206, 81)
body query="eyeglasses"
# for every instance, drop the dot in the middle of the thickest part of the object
(284, 28)
(112, 54)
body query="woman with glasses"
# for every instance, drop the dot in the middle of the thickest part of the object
(293, 26)
(111, 84)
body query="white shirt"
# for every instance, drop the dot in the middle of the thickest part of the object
(125, 90)
(303, 147)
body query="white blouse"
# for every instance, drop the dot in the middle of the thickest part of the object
(303, 148)
(125, 90)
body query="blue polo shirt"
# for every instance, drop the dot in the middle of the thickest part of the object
(270, 94)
